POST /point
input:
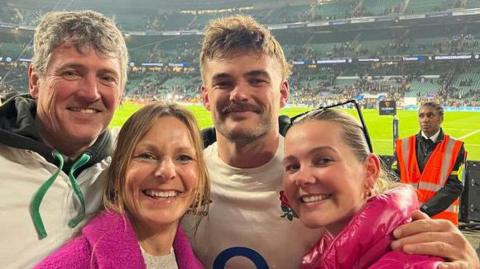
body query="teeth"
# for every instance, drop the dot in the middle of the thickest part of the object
(315, 198)
(84, 110)
(161, 194)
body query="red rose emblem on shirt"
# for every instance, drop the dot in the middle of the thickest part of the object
(288, 212)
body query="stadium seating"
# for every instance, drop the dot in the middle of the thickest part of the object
(333, 10)
(473, 4)
(381, 7)
(424, 6)
(420, 89)
(310, 82)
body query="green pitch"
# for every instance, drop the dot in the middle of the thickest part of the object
(462, 125)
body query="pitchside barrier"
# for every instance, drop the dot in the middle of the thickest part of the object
(470, 199)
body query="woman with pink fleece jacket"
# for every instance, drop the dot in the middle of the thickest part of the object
(333, 181)
(109, 241)
(156, 176)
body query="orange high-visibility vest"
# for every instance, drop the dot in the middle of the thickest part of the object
(435, 173)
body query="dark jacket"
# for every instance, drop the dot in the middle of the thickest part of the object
(18, 130)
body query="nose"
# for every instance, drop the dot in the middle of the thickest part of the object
(239, 93)
(165, 169)
(89, 88)
(303, 177)
(424, 120)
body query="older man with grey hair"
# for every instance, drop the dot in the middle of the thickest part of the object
(54, 142)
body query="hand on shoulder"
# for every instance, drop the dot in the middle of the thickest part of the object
(426, 236)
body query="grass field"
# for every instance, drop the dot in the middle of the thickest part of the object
(462, 125)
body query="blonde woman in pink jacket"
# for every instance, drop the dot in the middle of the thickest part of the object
(332, 180)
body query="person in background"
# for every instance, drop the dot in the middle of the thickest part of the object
(433, 163)
(54, 142)
(244, 86)
(156, 175)
(333, 181)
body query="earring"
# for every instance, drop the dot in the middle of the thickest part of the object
(287, 210)
(368, 193)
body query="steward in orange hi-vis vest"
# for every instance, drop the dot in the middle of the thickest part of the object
(434, 175)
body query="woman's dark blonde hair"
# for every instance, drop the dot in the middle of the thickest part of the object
(352, 134)
(130, 135)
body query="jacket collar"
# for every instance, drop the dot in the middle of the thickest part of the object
(18, 130)
(438, 136)
(115, 244)
(368, 234)
(113, 241)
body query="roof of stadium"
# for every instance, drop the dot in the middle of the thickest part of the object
(147, 6)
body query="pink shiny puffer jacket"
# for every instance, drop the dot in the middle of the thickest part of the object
(365, 241)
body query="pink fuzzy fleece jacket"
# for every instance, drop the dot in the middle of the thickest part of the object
(109, 241)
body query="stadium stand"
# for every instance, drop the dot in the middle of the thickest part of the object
(165, 59)
(381, 7)
(473, 4)
(424, 6)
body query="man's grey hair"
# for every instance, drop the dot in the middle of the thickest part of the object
(85, 29)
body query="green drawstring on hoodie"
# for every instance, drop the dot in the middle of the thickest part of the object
(76, 188)
(38, 197)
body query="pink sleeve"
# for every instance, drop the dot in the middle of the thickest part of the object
(400, 260)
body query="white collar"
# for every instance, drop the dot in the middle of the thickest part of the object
(433, 137)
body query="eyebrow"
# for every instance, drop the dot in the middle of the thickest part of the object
(81, 66)
(220, 76)
(314, 150)
(256, 73)
(253, 73)
(153, 146)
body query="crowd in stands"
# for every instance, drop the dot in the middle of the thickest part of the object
(398, 45)
(20, 16)
(311, 84)
(456, 44)
(456, 84)
(13, 78)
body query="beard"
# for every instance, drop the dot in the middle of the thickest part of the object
(245, 135)
(248, 131)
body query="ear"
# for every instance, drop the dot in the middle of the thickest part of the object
(205, 99)
(121, 95)
(372, 171)
(33, 82)
(120, 99)
(284, 93)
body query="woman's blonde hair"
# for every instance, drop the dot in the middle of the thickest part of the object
(129, 136)
(352, 134)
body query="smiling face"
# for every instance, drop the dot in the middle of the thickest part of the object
(162, 175)
(324, 181)
(244, 93)
(76, 97)
(429, 120)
